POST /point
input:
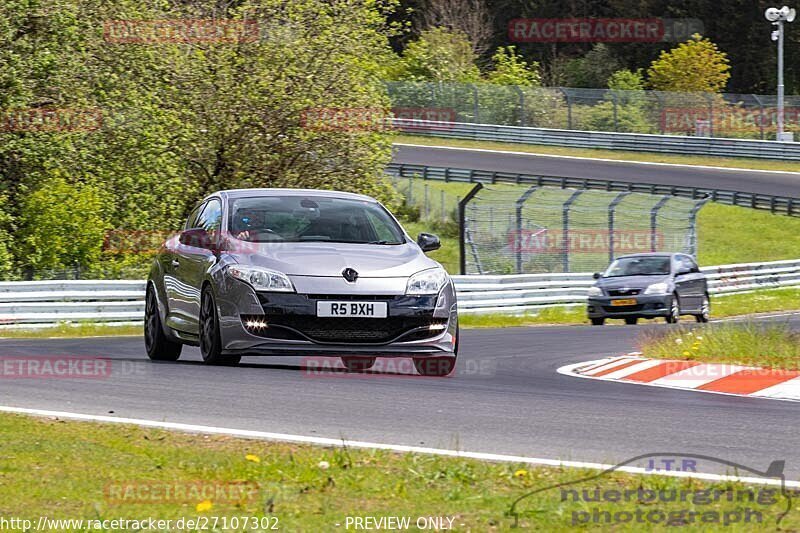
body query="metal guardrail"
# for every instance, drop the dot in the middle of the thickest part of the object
(31, 303)
(637, 142)
(775, 204)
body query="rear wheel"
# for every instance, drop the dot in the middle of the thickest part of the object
(631, 320)
(158, 346)
(705, 310)
(598, 321)
(358, 364)
(435, 366)
(674, 310)
(210, 339)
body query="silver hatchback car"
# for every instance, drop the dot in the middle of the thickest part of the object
(300, 272)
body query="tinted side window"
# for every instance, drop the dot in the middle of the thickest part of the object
(211, 217)
(191, 222)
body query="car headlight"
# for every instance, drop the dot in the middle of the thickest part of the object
(428, 281)
(262, 279)
(657, 288)
(595, 291)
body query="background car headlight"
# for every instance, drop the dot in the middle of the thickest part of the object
(657, 288)
(595, 291)
(262, 279)
(427, 282)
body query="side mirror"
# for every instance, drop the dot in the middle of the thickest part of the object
(684, 270)
(597, 275)
(428, 242)
(196, 237)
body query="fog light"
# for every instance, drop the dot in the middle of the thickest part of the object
(256, 323)
(436, 327)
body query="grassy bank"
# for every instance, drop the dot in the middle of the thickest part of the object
(99, 472)
(746, 343)
(621, 155)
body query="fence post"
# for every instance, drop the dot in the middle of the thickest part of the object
(569, 106)
(616, 120)
(565, 226)
(521, 105)
(693, 226)
(760, 115)
(462, 228)
(475, 104)
(518, 236)
(612, 208)
(654, 221)
(710, 99)
(661, 117)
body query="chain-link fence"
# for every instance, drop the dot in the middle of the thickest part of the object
(518, 230)
(432, 199)
(749, 116)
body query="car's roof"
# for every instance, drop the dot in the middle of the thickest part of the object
(243, 193)
(651, 254)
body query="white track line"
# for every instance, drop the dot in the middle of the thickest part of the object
(606, 160)
(264, 435)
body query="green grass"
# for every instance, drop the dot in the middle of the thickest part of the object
(69, 330)
(547, 316)
(715, 161)
(746, 343)
(728, 234)
(75, 470)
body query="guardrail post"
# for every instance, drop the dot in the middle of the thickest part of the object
(462, 229)
(612, 209)
(518, 236)
(565, 226)
(654, 222)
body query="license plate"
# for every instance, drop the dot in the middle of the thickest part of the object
(626, 301)
(352, 309)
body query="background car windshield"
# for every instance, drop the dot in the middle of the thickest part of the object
(312, 218)
(638, 266)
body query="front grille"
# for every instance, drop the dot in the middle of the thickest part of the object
(622, 308)
(623, 292)
(347, 330)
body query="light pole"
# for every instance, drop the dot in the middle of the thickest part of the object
(777, 17)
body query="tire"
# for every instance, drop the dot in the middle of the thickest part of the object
(435, 366)
(598, 321)
(705, 310)
(358, 364)
(631, 320)
(210, 339)
(674, 310)
(159, 347)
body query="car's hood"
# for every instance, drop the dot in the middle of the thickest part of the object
(329, 259)
(631, 282)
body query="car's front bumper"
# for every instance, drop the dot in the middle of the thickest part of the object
(651, 305)
(416, 326)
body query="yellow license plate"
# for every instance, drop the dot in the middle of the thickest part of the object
(627, 301)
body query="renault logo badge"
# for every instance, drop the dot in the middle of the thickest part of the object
(350, 275)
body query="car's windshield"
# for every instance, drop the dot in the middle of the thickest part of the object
(296, 218)
(638, 266)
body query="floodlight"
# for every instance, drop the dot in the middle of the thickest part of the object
(772, 14)
(791, 15)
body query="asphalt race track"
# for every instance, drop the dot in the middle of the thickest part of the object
(505, 397)
(764, 182)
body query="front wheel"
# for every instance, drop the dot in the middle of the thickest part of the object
(705, 310)
(210, 339)
(674, 310)
(158, 346)
(598, 321)
(631, 320)
(435, 366)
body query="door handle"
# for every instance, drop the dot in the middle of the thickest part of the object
(175, 263)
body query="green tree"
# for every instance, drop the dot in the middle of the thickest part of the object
(511, 69)
(626, 80)
(439, 55)
(593, 69)
(62, 225)
(694, 66)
